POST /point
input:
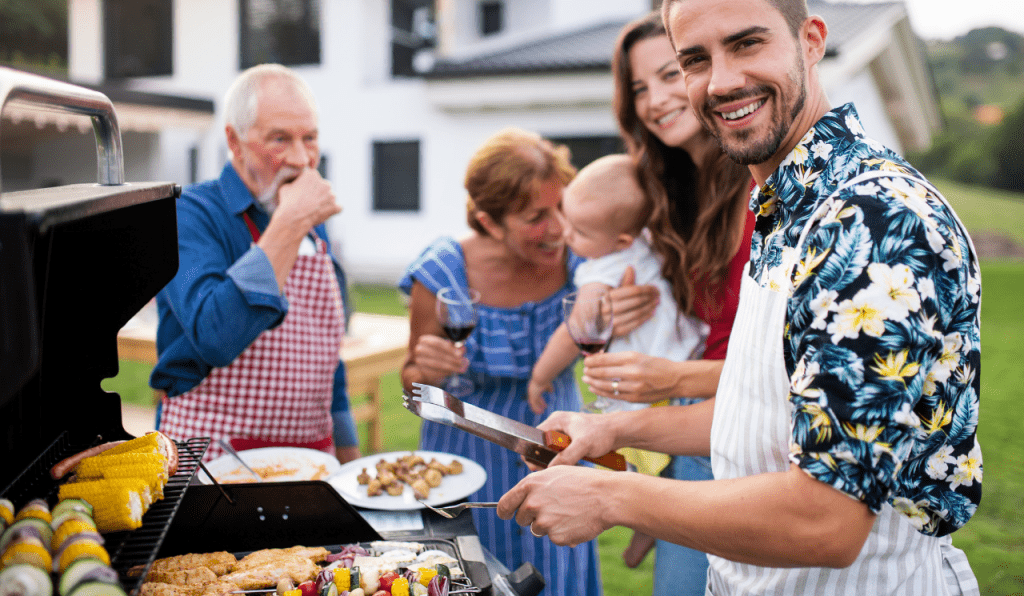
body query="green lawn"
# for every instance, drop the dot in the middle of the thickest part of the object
(993, 540)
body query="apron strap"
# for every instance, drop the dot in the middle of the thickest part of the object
(253, 230)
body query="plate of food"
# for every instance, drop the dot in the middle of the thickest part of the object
(395, 481)
(273, 464)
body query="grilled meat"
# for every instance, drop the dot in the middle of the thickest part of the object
(266, 574)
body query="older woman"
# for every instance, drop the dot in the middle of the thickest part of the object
(701, 228)
(516, 258)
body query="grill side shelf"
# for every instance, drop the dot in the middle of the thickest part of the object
(138, 548)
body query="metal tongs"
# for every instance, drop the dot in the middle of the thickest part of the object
(536, 446)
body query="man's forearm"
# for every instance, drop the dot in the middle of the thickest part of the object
(676, 430)
(785, 519)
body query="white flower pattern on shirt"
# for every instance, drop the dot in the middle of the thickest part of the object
(882, 331)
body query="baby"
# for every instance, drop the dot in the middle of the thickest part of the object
(606, 211)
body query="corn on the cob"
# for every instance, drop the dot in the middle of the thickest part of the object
(117, 504)
(147, 443)
(94, 466)
(147, 466)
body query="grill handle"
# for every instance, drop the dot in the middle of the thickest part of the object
(47, 94)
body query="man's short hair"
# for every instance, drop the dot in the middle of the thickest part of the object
(794, 11)
(242, 99)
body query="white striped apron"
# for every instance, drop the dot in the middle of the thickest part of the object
(751, 435)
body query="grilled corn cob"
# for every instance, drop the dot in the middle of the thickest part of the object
(150, 467)
(117, 504)
(147, 443)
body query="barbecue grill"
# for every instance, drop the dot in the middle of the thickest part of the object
(76, 263)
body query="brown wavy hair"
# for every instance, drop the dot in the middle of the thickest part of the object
(504, 173)
(695, 209)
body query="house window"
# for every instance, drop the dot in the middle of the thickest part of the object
(586, 149)
(491, 17)
(412, 31)
(138, 36)
(282, 31)
(396, 176)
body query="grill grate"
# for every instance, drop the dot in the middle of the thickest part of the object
(138, 548)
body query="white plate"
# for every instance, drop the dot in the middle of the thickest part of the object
(275, 464)
(452, 488)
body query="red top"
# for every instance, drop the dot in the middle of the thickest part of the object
(721, 310)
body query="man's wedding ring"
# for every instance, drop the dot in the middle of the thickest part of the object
(532, 531)
(615, 386)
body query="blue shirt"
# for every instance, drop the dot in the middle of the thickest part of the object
(225, 293)
(882, 340)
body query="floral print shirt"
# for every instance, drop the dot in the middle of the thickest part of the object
(882, 340)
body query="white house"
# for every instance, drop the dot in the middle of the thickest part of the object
(407, 89)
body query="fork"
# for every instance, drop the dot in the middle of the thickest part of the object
(453, 511)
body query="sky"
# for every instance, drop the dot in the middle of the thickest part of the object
(946, 19)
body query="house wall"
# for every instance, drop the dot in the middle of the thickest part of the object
(359, 103)
(863, 92)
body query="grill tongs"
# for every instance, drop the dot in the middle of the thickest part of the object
(536, 446)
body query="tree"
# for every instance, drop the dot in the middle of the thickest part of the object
(1008, 151)
(34, 33)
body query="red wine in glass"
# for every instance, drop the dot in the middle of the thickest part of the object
(457, 314)
(458, 333)
(588, 318)
(592, 346)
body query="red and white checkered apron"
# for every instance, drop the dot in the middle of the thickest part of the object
(278, 391)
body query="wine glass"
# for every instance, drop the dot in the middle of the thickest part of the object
(588, 317)
(456, 311)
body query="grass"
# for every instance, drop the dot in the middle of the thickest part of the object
(993, 540)
(985, 209)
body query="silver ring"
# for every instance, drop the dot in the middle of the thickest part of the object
(535, 533)
(615, 386)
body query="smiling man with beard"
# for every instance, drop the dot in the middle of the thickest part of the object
(251, 325)
(843, 433)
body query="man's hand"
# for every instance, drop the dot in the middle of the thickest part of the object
(565, 503)
(307, 200)
(593, 435)
(632, 305)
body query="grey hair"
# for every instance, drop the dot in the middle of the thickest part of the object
(242, 99)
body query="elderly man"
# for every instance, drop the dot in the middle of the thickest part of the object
(251, 325)
(843, 441)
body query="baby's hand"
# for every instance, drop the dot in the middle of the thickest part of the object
(535, 395)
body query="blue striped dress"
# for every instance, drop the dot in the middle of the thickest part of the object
(502, 351)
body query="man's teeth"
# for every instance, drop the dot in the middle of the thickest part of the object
(667, 117)
(743, 111)
(550, 245)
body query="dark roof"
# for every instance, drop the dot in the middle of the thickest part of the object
(590, 49)
(119, 94)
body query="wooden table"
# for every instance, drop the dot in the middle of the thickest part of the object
(375, 345)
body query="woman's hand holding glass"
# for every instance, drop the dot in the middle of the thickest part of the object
(456, 312)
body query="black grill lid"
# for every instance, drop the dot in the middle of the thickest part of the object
(76, 262)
